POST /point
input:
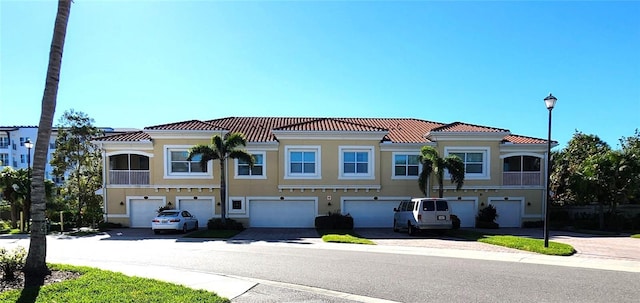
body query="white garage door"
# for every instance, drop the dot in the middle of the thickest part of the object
(465, 210)
(288, 213)
(508, 213)
(370, 213)
(201, 208)
(143, 211)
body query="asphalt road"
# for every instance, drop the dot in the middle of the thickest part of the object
(395, 277)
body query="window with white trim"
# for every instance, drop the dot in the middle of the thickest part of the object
(356, 162)
(237, 205)
(177, 164)
(406, 165)
(476, 161)
(258, 171)
(4, 159)
(302, 162)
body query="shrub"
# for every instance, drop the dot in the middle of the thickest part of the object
(334, 221)
(487, 214)
(12, 261)
(230, 224)
(455, 222)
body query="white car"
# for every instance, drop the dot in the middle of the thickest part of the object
(174, 219)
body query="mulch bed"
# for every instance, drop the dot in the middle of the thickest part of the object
(54, 277)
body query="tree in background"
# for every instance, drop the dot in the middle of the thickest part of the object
(221, 149)
(568, 182)
(433, 163)
(588, 171)
(14, 187)
(35, 268)
(80, 159)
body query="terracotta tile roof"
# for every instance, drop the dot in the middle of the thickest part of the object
(257, 129)
(126, 137)
(464, 127)
(260, 129)
(185, 125)
(515, 139)
(330, 124)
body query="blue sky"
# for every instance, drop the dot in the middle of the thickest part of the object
(143, 63)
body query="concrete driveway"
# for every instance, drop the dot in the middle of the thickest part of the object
(588, 246)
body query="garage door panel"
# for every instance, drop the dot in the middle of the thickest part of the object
(465, 210)
(201, 208)
(143, 211)
(370, 213)
(282, 214)
(508, 213)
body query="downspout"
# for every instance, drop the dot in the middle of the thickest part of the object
(104, 183)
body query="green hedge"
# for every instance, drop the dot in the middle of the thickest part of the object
(334, 221)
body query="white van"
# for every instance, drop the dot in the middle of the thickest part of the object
(422, 213)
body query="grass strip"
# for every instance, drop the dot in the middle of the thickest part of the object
(343, 236)
(95, 285)
(637, 236)
(532, 245)
(521, 243)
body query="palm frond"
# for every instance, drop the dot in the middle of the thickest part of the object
(234, 140)
(242, 155)
(455, 166)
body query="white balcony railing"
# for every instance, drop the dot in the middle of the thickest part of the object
(521, 178)
(131, 177)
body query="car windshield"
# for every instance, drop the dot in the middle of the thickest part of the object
(168, 214)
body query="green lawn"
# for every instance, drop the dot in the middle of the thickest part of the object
(343, 236)
(213, 233)
(521, 243)
(95, 285)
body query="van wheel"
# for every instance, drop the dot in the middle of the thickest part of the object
(410, 229)
(395, 226)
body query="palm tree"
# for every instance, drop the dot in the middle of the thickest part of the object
(35, 268)
(433, 163)
(222, 149)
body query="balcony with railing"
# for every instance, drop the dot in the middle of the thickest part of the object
(525, 178)
(129, 177)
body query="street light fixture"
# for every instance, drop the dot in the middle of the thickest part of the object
(29, 146)
(550, 102)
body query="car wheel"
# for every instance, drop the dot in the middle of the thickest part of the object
(184, 228)
(196, 228)
(156, 231)
(410, 230)
(395, 226)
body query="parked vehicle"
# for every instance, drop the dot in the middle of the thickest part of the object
(422, 214)
(174, 219)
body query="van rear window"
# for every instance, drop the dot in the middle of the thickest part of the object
(428, 205)
(442, 205)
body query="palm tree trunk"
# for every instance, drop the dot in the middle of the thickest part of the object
(35, 269)
(223, 191)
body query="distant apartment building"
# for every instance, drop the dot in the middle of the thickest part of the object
(14, 153)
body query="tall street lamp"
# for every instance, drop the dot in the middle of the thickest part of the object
(550, 102)
(29, 146)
